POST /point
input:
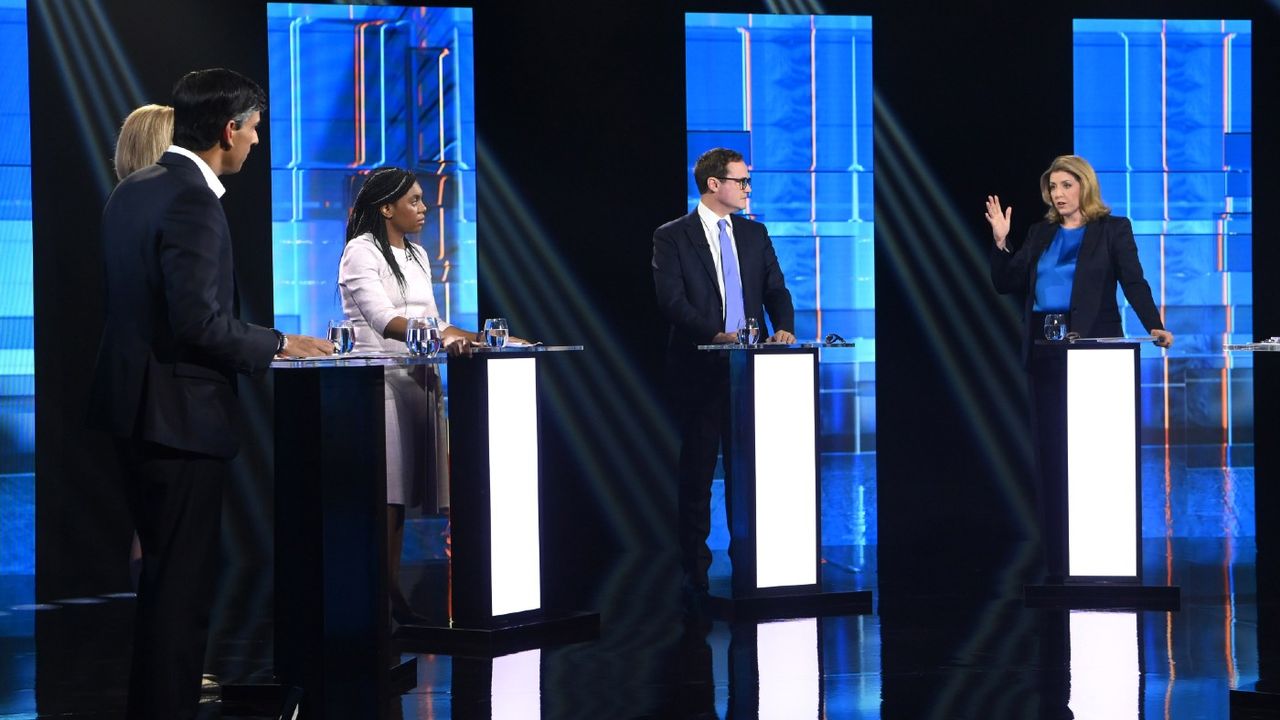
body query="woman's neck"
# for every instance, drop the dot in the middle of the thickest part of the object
(395, 238)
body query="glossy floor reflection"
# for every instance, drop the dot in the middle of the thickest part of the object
(960, 650)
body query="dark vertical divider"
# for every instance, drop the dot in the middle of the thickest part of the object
(83, 527)
(1266, 323)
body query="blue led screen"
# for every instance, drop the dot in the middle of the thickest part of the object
(354, 88)
(793, 94)
(17, 359)
(1163, 112)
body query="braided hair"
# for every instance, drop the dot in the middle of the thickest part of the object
(383, 186)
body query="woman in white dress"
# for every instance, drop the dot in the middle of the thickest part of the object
(385, 280)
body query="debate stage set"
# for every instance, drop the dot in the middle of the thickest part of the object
(880, 482)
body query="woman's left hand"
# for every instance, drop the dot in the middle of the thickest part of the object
(1164, 338)
(457, 346)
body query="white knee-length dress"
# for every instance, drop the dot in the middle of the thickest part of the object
(417, 441)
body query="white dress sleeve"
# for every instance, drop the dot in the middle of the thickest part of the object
(362, 275)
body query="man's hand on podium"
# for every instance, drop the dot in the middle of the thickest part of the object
(300, 346)
(1164, 338)
(725, 338)
(782, 336)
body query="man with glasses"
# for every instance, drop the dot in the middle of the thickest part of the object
(712, 269)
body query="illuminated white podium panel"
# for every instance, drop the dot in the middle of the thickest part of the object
(773, 485)
(1097, 476)
(1104, 478)
(495, 509)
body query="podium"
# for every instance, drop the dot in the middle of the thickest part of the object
(774, 488)
(1092, 447)
(332, 630)
(496, 469)
(1262, 699)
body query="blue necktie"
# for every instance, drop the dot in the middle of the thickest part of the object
(733, 313)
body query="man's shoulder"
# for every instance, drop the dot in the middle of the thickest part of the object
(171, 171)
(744, 227)
(684, 221)
(154, 191)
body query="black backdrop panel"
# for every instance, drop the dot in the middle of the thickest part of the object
(83, 529)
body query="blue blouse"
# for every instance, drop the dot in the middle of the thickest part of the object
(1056, 270)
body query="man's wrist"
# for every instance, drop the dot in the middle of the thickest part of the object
(282, 341)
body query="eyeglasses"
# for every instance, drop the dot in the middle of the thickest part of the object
(744, 182)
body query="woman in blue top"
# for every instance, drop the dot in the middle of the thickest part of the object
(1070, 263)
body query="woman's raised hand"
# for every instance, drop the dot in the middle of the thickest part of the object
(999, 219)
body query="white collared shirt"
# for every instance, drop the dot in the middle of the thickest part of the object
(711, 228)
(209, 177)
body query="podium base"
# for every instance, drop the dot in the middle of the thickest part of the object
(778, 607)
(525, 634)
(1254, 704)
(281, 701)
(1087, 596)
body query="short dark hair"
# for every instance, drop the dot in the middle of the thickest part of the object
(713, 163)
(205, 100)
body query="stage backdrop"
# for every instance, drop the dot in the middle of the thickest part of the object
(793, 94)
(354, 88)
(17, 358)
(1163, 110)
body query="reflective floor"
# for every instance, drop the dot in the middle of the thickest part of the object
(958, 650)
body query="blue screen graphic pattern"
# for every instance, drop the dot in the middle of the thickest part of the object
(354, 88)
(17, 354)
(1163, 112)
(793, 94)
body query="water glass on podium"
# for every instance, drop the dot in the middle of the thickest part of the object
(1055, 327)
(422, 336)
(343, 336)
(495, 332)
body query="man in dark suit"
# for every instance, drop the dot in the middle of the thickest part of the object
(164, 385)
(712, 269)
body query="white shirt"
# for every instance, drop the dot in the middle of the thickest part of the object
(209, 176)
(711, 227)
(371, 297)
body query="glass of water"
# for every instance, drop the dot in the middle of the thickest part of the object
(749, 331)
(343, 336)
(1055, 327)
(495, 332)
(422, 336)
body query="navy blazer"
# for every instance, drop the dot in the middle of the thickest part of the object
(688, 290)
(1108, 256)
(172, 343)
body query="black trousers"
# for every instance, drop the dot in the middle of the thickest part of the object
(703, 411)
(176, 500)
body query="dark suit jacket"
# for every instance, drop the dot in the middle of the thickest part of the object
(1108, 255)
(172, 344)
(684, 278)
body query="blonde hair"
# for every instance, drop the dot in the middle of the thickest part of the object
(1091, 205)
(143, 138)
